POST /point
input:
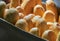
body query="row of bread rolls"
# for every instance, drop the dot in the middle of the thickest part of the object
(33, 16)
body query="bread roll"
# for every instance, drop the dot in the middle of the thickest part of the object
(49, 16)
(35, 19)
(50, 5)
(14, 3)
(28, 5)
(38, 10)
(2, 8)
(22, 24)
(34, 31)
(42, 26)
(49, 35)
(28, 19)
(11, 15)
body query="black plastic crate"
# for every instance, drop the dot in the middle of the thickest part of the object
(9, 32)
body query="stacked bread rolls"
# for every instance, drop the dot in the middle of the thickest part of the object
(50, 5)
(33, 16)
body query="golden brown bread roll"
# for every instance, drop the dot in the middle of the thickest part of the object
(28, 19)
(2, 8)
(28, 5)
(38, 10)
(50, 5)
(11, 15)
(35, 19)
(49, 35)
(14, 3)
(49, 16)
(34, 31)
(22, 24)
(42, 26)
